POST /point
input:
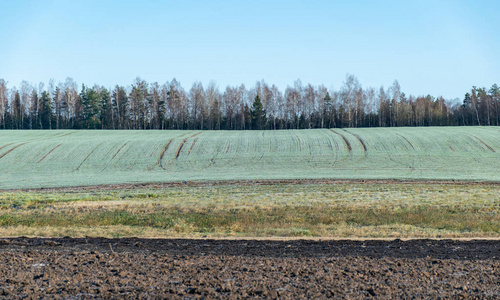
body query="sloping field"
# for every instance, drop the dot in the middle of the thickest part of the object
(34, 159)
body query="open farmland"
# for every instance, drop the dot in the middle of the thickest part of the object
(242, 269)
(325, 209)
(35, 159)
(253, 214)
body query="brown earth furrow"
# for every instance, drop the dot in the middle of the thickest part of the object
(165, 148)
(6, 145)
(66, 134)
(87, 157)
(182, 144)
(49, 153)
(360, 141)
(488, 146)
(12, 149)
(346, 141)
(408, 141)
(192, 145)
(119, 150)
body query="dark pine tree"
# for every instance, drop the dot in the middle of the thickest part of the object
(46, 111)
(258, 115)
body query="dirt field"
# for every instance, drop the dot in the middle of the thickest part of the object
(192, 269)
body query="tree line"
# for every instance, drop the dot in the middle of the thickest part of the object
(144, 105)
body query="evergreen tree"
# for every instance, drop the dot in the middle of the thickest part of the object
(327, 111)
(91, 109)
(45, 111)
(106, 110)
(258, 115)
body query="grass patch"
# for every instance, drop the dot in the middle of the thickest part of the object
(281, 210)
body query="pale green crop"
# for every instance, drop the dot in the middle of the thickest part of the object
(34, 159)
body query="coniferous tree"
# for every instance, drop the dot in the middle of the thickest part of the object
(258, 115)
(327, 111)
(106, 113)
(91, 108)
(46, 111)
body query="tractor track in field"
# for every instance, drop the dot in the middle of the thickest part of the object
(48, 153)
(6, 145)
(299, 141)
(160, 158)
(407, 140)
(47, 268)
(365, 151)
(69, 133)
(12, 149)
(192, 145)
(348, 146)
(93, 150)
(178, 152)
(346, 141)
(116, 153)
(487, 146)
(229, 161)
(411, 159)
(334, 146)
(159, 162)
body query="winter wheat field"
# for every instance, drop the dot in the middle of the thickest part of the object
(36, 159)
(331, 213)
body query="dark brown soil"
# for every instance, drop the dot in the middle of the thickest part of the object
(193, 269)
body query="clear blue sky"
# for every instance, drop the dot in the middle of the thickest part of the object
(436, 47)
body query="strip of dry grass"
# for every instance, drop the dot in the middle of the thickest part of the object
(276, 210)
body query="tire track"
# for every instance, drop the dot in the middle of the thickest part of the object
(5, 146)
(488, 146)
(182, 144)
(229, 161)
(159, 162)
(347, 144)
(64, 134)
(119, 150)
(160, 159)
(332, 148)
(360, 141)
(298, 138)
(411, 159)
(93, 150)
(192, 145)
(408, 141)
(346, 141)
(49, 153)
(12, 149)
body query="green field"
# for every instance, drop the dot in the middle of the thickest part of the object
(36, 159)
(203, 203)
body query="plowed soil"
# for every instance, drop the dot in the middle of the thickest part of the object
(219, 269)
